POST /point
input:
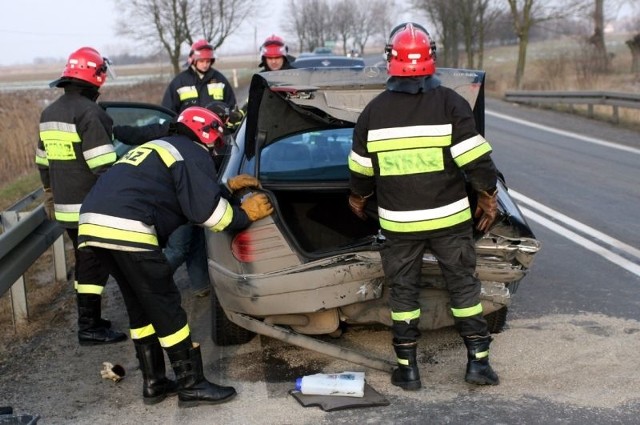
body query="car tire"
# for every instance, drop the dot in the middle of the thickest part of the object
(223, 331)
(497, 320)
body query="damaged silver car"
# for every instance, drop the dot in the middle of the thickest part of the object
(312, 267)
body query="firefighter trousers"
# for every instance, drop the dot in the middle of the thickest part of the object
(90, 274)
(150, 294)
(402, 262)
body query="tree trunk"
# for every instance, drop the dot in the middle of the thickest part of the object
(597, 39)
(634, 46)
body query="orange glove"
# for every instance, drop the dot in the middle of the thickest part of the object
(357, 204)
(241, 181)
(487, 209)
(257, 206)
(49, 209)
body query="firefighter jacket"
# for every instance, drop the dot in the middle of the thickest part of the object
(189, 89)
(416, 146)
(74, 148)
(151, 191)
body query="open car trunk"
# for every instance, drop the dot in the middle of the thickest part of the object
(321, 221)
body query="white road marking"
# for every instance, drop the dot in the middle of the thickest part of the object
(566, 133)
(575, 224)
(575, 237)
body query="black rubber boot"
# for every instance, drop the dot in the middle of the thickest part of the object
(479, 370)
(407, 375)
(91, 328)
(156, 386)
(193, 387)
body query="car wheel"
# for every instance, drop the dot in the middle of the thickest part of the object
(223, 331)
(497, 320)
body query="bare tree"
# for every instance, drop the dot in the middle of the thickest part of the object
(597, 39)
(343, 21)
(371, 18)
(170, 24)
(444, 15)
(527, 13)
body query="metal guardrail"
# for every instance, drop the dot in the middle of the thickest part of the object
(589, 98)
(26, 236)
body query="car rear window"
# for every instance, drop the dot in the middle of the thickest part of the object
(314, 156)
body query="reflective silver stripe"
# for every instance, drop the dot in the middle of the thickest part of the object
(218, 213)
(413, 131)
(68, 208)
(360, 160)
(117, 223)
(56, 125)
(96, 152)
(419, 215)
(175, 153)
(467, 145)
(41, 153)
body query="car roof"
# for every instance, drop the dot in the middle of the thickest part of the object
(317, 61)
(311, 99)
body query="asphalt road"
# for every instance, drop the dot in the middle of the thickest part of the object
(568, 355)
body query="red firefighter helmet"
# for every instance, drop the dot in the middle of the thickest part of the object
(273, 47)
(205, 126)
(201, 49)
(410, 52)
(84, 64)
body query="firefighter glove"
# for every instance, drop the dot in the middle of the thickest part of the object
(257, 206)
(487, 209)
(357, 204)
(111, 371)
(48, 204)
(241, 181)
(235, 117)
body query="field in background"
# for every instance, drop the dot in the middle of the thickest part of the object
(560, 64)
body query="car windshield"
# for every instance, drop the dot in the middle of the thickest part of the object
(313, 156)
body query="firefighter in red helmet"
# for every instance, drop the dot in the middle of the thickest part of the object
(200, 83)
(415, 146)
(126, 220)
(274, 54)
(75, 147)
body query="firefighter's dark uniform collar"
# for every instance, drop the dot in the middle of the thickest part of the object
(412, 85)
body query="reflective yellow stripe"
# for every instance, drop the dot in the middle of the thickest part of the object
(185, 93)
(103, 232)
(472, 155)
(41, 157)
(405, 316)
(403, 362)
(482, 354)
(221, 216)
(407, 162)
(142, 332)
(175, 338)
(358, 167)
(67, 217)
(105, 159)
(86, 288)
(419, 226)
(216, 90)
(409, 143)
(467, 312)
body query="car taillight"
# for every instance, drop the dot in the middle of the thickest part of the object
(242, 247)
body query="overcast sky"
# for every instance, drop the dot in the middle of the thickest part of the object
(32, 29)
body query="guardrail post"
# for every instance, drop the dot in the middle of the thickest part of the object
(616, 117)
(59, 260)
(18, 291)
(590, 110)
